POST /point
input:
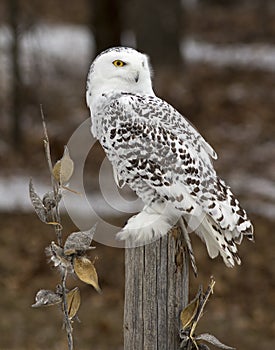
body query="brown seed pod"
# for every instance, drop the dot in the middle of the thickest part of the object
(86, 272)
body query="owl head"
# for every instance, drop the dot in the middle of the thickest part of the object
(119, 69)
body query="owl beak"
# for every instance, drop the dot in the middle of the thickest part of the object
(137, 77)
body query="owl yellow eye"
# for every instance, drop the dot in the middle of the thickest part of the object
(119, 63)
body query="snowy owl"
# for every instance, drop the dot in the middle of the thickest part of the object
(161, 157)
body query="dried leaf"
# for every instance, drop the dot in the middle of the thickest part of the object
(50, 201)
(56, 254)
(86, 271)
(46, 297)
(63, 168)
(37, 203)
(73, 302)
(79, 241)
(187, 315)
(213, 340)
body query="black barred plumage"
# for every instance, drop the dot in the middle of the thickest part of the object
(162, 157)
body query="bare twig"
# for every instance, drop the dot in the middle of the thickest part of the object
(55, 185)
(201, 307)
(46, 141)
(67, 322)
(56, 218)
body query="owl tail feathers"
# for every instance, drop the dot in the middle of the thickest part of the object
(218, 242)
(147, 226)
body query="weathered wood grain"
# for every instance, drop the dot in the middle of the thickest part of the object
(156, 290)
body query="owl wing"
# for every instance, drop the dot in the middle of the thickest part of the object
(153, 147)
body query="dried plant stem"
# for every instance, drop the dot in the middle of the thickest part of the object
(56, 218)
(58, 232)
(55, 185)
(67, 322)
(206, 296)
(46, 141)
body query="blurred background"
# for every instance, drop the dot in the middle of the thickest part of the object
(214, 60)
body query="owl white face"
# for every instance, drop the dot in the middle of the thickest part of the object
(119, 70)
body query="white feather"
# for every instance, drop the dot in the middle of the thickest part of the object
(150, 224)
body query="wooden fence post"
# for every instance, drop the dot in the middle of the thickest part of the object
(156, 291)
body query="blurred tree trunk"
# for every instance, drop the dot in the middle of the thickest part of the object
(265, 17)
(105, 23)
(157, 26)
(16, 102)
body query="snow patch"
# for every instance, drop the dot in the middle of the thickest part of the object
(257, 56)
(14, 196)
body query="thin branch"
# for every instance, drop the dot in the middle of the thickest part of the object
(46, 142)
(205, 298)
(67, 322)
(55, 185)
(56, 218)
